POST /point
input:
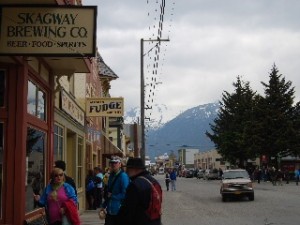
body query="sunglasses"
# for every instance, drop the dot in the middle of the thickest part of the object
(58, 175)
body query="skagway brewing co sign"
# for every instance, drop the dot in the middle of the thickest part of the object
(110, 107)
(48, 30)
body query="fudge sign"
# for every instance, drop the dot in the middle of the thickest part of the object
(111, 107)
(57, 30)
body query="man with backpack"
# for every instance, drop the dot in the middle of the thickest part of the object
(116, 189)
(143, 200)
(90, 189)
(98, 180)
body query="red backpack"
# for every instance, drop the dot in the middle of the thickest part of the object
(154, 209)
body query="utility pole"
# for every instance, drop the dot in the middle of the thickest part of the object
(143, 147)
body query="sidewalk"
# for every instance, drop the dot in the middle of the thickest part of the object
(90, 217)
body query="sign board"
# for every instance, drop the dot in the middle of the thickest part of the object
(71, 108)
(110, 107)
(48, 30)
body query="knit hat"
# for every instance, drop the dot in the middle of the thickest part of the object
(135, 163)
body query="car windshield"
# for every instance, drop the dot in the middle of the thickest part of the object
(235, 174)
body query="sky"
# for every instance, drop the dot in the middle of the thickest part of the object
(211, 43)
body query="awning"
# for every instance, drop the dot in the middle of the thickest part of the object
(66, 65)
(110, 148)
(58, 65)
(13, 2)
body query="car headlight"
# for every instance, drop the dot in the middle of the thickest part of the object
(250, 185)
(225, 185)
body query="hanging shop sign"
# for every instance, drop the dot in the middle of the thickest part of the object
(71, 107)
(48, 30)
(110, 107)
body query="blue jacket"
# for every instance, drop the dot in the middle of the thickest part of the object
(113, 204)
(70, 192)
(173, 175)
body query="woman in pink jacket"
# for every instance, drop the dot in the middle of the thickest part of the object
(55, 197)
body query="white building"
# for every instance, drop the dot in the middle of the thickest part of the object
(186, 157)
(209, 160)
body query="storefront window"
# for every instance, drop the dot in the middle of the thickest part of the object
(41, 105)
(2, 88)
(1, 163)
(79, 162)
(58, 142)
(35, 173)
(36, 101)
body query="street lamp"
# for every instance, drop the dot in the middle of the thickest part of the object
(143, 150)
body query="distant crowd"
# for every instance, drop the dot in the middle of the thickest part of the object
(276, 176)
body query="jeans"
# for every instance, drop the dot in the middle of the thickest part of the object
(97, 198)
(111, 220)
(173, 185)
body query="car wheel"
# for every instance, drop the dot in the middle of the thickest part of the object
(251, 197)
(224, 198)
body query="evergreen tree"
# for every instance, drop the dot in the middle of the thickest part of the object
(276, 113)
(295, 134)
(232, 129)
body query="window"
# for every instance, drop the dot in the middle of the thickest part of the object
(2, 88)
(79, 162)
(35, 173)
(58, 142)
(36, 101)
(1, 163)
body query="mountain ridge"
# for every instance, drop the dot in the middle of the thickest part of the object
(186, 130)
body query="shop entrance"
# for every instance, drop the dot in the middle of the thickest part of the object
(71, 153)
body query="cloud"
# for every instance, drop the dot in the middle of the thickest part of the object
(211, 43)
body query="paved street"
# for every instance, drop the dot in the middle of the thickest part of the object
(198, 202)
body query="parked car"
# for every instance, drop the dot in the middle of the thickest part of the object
(211, 174)
(200, 174)
(236, 183)
(161, 170)
(189, 174)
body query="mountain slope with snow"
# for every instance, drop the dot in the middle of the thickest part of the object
(185, 130)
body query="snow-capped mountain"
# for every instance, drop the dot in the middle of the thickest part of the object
(156, 117)
(186, 130)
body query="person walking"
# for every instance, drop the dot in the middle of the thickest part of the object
(62, 165)
(143, 200)
(273, 175)
(173, 179)
(280, 177)
(259, 175)
(167, 179)
(220, 173)
(286, 174)
(58, 197)
(117, 185)
(98, 179)
(90, 189)
(105, 183)
(297, 176)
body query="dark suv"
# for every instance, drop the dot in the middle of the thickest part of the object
(189, 173)
(236, 183)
